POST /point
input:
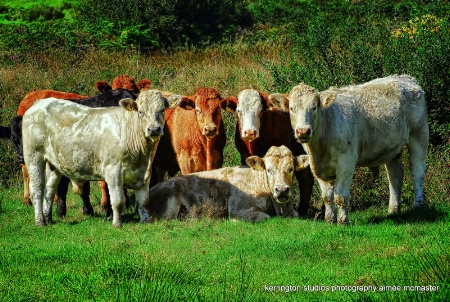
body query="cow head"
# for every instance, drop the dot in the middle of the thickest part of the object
(279, 165)
(206, 103)
(304, 104)
(249, 106)
(123, 81)
(150, 107)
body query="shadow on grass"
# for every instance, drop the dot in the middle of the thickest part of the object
(428, 214)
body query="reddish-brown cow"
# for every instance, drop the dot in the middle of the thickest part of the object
(258, 128)
(123, 81)
(194, 136)
(35, 95)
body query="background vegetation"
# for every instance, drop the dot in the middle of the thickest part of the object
(230, 45)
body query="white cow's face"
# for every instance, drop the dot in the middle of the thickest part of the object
(304, 103)
(150, 106)
(279, 164)
(249, 109)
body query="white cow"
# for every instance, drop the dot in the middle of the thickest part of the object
(255, 192)
(362, 125)
(113, 144)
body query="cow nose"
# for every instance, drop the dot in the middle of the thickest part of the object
(155, 131)
(303, 134)
(250, 134)
(209, 131)
(282, 193)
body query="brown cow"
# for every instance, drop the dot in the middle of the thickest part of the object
(195, 136)
(123, 81)
(34, 95)
(258, 128)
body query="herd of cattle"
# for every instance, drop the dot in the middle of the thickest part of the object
(129, 136)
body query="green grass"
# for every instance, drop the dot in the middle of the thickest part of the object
(85, 259)
(27, 4)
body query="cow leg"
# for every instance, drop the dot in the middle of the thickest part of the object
(115, 187)
(254, 214)
(125, 197)
(342, 194)
(63, 187)
(87, 206)
(395, 175)
(417, 167)
(26, 186)
(105, 204)
(36, 173)
(53, 176)
(327, 197)
(142, 197)
(305, 180)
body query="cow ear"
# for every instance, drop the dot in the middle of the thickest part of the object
(102, 86)
(256, 162)
(301, 162)
(278, 102)
(128, 104)
(174, 100)
(143, 84)
(229, 103)
(326, 98)
(187, 103)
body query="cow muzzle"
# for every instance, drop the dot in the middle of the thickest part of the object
(303, 134)
(282, 194)
(209, 131)
(154, 131)
(250, 135)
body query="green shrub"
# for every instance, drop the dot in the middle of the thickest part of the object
(151, 24)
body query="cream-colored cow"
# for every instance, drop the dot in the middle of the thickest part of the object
(255, 192)
(114, 144)
(362, 125)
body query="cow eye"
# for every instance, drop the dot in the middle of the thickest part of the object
(238, 111)
(292, 109)
(198, 110)
(269, 171)
(141, 113)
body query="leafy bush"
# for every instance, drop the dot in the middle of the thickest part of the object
(151, 24)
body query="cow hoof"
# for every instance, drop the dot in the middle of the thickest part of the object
(117, 224)
(27, 201)
(343, 221)
(419, 205)
(40, 223)
(88, 211)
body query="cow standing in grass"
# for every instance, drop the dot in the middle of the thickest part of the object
(255, 192)
(114, 144)
(362, 125)
(195, 135)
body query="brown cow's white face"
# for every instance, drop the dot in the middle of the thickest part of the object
(206, 103)
(279, 164)
(150, 106)
(249, 109)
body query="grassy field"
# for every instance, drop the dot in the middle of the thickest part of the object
(84, 259)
